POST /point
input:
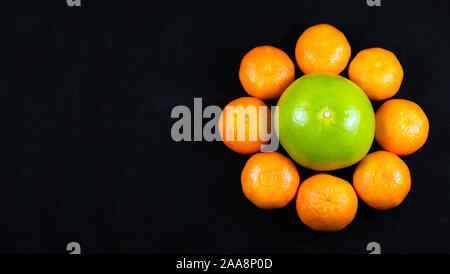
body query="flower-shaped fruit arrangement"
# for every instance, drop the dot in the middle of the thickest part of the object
(324, 122)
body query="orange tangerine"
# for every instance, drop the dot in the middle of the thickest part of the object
(265, 72)
(326, 203)
(382, 180)
(322, 48)
(270, 180)
(245, 125)
(378, 72)
(401, 126)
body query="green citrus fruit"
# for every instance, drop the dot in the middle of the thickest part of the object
(325, 122)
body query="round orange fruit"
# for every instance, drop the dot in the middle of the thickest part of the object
(378, 72)
(245, 125)
(265, 72)
(270, 180)
(382, 180)
(322, 48)
(326, 203)
(401, 126)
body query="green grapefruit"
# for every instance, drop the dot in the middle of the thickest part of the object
(325, 122)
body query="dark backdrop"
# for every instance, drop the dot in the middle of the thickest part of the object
(85, 148)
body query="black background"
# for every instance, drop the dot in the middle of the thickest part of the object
(85, 148)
